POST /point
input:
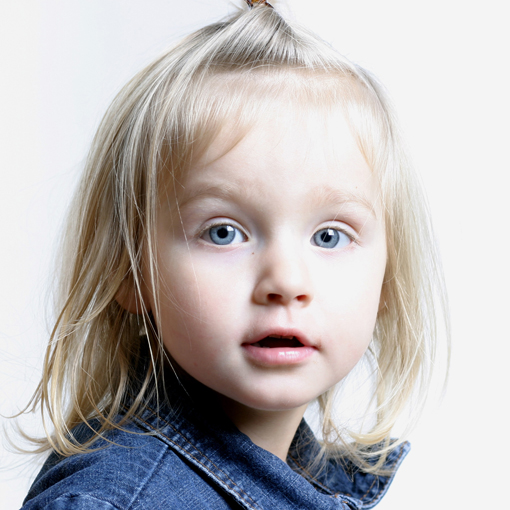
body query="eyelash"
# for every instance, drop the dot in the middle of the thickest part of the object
(352, 238)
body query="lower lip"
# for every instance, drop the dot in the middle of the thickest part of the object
(277, 356)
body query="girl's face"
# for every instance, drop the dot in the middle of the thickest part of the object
(271, 269)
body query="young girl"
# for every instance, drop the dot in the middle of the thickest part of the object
(247, 230)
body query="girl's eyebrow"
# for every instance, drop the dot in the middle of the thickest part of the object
(320, 196)
(225, 191)
(324, 195)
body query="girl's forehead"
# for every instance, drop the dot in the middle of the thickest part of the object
(314, 131)
(288, 152)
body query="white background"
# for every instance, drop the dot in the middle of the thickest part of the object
(445, 63)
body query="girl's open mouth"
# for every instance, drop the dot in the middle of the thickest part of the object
(273, 341)
(274, 350)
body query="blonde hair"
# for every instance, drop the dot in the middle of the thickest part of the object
(157, 125)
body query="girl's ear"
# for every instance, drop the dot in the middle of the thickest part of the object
(131, 300)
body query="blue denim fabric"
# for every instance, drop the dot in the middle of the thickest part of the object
(198, 460)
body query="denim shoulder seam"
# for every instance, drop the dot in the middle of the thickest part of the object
(147, 477)
(250, 503)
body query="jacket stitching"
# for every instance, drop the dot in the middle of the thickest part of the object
(197, 460)
(376, 479)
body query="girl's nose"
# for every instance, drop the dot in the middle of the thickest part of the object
(283, 279)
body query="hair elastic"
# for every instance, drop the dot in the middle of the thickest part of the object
(253, 3)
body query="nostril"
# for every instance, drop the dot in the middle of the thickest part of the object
(272, 298)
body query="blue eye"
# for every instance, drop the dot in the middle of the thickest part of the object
(224, 234)
(331, 238)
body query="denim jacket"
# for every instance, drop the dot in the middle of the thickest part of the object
(187, 457)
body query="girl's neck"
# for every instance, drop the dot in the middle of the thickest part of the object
(271, 430)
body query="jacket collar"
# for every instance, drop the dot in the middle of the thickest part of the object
(257, 479)
(341, 476)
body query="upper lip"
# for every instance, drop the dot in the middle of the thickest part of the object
(283, 332)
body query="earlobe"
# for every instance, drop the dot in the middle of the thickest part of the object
(132, 301)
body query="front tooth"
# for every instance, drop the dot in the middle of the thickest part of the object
(275, 336)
